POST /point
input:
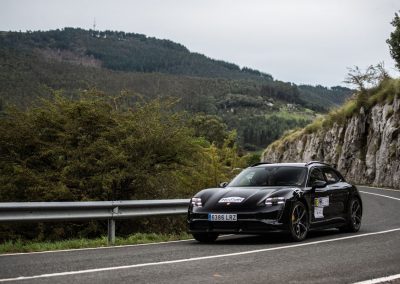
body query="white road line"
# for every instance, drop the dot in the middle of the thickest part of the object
(391, 197)
(96, 248)
(380, 188)
(192, 259)
(379, 280)
(79, 249)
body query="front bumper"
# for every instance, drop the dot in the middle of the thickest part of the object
(247, 223)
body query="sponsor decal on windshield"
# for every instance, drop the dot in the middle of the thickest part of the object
(233, 199)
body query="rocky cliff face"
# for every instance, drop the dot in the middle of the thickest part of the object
(365, 148)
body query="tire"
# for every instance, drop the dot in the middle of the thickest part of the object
(205, 237)
(299, 223)
(354, 217)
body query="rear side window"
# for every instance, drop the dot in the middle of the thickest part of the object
(315, 175)
(331, 176)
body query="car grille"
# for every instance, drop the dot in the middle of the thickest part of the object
(229, 226)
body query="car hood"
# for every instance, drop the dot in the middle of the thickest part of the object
(239, 197)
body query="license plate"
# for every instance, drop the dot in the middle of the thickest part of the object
(222, 217)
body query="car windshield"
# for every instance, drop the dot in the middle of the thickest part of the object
(271, 176)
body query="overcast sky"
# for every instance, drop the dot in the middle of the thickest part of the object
(301, 41)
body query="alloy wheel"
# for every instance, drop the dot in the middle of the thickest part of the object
(356, 213)
(299, 221)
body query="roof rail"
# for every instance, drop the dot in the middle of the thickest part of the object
(317, 162)
(260, 163)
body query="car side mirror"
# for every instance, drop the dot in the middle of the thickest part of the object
(223, 184)
(318, 184)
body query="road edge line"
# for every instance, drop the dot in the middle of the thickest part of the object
(380, 188)
(381, 195)
(93, 248)
(379, 280)
(93, 270)
(106, 247)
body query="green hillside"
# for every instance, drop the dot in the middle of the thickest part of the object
(130, 52)
(129, 66)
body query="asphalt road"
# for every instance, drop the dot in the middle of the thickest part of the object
(325, 257)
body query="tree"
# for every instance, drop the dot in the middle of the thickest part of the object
(87, 150)
(372, 76)
(211, 127)
(359, 78)
(394, 40)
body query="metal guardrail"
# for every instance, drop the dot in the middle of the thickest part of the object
(91, 210)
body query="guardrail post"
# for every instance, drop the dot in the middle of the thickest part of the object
(111, 227)
(111, 231)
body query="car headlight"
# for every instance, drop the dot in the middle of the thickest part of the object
(274, 201)
(196, 202)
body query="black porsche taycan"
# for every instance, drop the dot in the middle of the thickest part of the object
(292, 197)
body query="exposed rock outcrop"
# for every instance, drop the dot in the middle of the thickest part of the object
(60, 55)
(365, 148)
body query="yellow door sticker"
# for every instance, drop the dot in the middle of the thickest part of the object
(321, 202)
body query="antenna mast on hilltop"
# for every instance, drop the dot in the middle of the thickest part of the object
(94, 24)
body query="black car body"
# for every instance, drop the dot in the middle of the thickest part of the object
(293, 197)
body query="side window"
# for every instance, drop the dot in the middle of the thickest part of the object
(331, 176)
(315, 175)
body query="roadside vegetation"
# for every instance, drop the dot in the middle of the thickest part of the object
(19, 246)
(98, 148)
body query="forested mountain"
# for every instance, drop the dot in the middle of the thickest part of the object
(128, 52)
(132, 66)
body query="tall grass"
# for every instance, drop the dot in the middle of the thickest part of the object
(138, 238)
